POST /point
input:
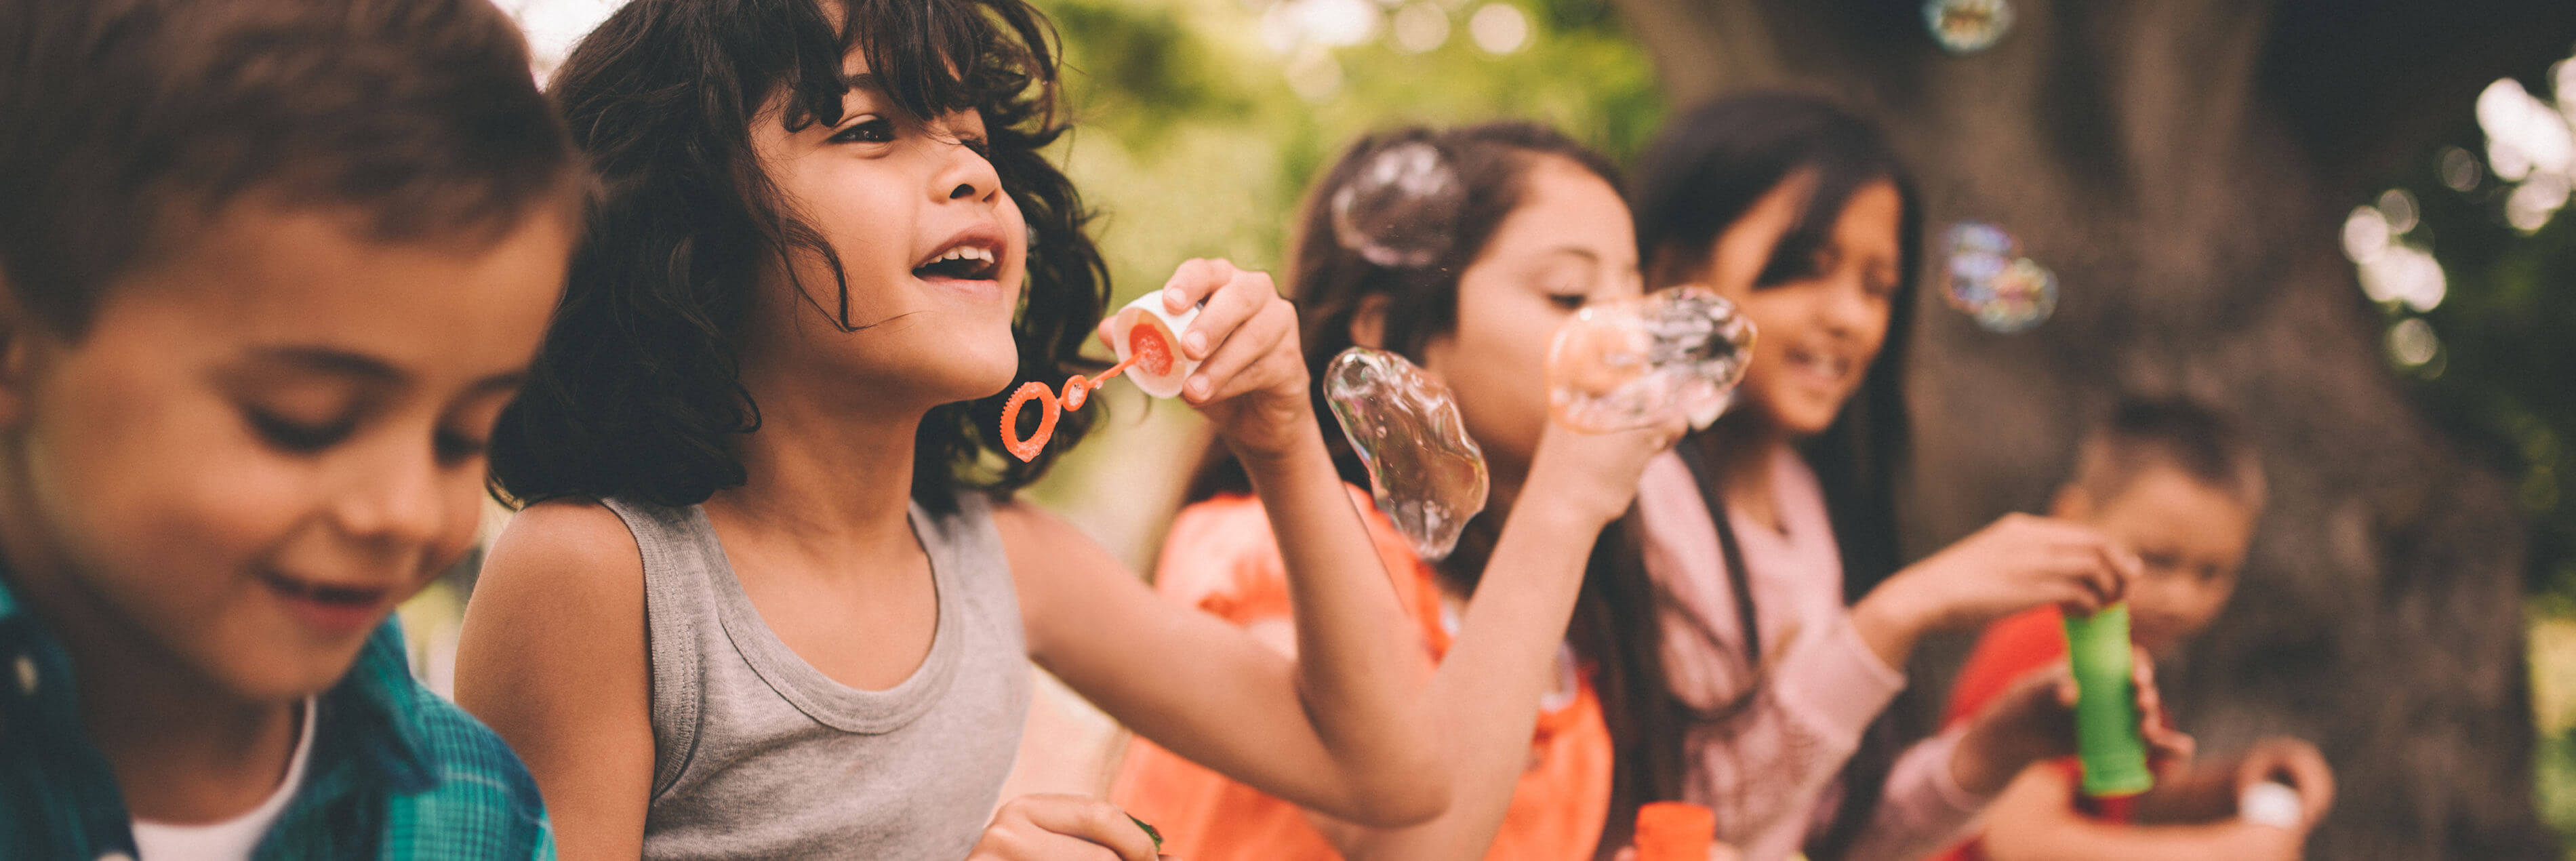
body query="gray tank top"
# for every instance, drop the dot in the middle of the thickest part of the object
(757, 754)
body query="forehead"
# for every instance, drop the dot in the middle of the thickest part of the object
(1564, 207)
(258, 274)
(2165, 499)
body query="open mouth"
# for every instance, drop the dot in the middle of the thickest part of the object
(1825, 367)
(961, 263)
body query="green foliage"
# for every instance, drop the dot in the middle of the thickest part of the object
(1193, 138)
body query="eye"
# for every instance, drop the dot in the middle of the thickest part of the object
(1567, 301)
(296, 437)
(455, 448)
(866, 130)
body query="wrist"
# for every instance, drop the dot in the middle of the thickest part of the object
(1984, 761)
(1298, 447)
(1890, 620)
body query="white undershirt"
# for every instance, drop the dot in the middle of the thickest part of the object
(232, 839)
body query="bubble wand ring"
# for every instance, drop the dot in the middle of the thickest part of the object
(1077, 391)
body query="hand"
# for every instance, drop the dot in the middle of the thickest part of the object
(1594, 476)
(2034, 719)
(2303, 767)
(2013, 564)
(1251, 378)
(1062, 828)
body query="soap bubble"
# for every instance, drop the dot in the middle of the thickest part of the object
(1636, 363)
(1967, 26)
(1401, 208)
(2024, 295)
(1985, 277)
(1425, 472)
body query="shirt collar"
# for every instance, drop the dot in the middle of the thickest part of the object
(373, 711)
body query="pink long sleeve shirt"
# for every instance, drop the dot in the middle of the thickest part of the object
(1773, 773)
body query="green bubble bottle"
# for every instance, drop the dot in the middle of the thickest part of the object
(2106, 709)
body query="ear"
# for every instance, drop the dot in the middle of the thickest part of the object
(1368, 324)
(2071, 503)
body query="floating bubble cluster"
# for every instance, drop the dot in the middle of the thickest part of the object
(1967, 26)
(1400, 209)
(1635, 363)
(1425, 472)
(1986, 278)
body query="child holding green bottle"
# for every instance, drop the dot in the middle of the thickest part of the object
(2179, 484)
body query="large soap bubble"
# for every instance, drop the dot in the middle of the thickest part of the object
(1636, 363)
(1425, 472)
(1401, 208)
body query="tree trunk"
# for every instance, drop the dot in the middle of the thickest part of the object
(2185, 167)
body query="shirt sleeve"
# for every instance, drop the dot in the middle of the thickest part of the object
(1923, 809)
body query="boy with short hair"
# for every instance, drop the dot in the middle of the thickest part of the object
(2179, 485)
(268, 271)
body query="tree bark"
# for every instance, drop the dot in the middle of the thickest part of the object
(2185, 166)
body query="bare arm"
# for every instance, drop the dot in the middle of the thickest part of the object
(1207, 691)
(2035, 820)
(1341, 728)
(553, 658)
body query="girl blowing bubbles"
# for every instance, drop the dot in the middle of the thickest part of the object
(770, 596)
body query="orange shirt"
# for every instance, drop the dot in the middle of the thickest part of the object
(1221, 558)
(2010, 649)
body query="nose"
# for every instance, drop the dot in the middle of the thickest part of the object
(1847, 307)
(396, 504)
(965, 174)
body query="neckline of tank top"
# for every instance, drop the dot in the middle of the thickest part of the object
(819, 696)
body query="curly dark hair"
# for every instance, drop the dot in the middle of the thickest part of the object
(637, 391)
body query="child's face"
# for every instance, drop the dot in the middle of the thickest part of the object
(894, 195)
(264, 441)
(1815, 336)
(1568, 242)
(2193, 537)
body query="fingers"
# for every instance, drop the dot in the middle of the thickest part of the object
(1193, 281)
(1259, 354)
(1231, 296)
(1107, 339)
(2298, 761)
(1034, 827)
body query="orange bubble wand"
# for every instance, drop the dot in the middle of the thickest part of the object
(1144, 345)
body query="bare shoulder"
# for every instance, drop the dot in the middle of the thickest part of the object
(564, 577)
(567, 539)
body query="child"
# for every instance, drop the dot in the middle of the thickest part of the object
(2178, 483)
(770, 596)
(1532, 712)
(1775, 528)
(271, 268)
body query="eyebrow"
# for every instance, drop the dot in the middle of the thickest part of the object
(1575, 250)
(337, 362)
(332, 361)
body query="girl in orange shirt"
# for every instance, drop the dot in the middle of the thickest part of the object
(1515, 228)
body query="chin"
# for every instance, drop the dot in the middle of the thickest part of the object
(286, 675)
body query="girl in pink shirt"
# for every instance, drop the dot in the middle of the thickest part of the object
(1765, 526)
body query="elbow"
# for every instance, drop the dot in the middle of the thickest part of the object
(1402, 794)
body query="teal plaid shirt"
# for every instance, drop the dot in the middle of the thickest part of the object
(395, 772)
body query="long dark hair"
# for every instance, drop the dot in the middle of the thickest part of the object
(637, 391)
(1701, 175)
(1617, 613)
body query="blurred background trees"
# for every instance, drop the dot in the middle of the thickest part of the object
(2340, 219)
